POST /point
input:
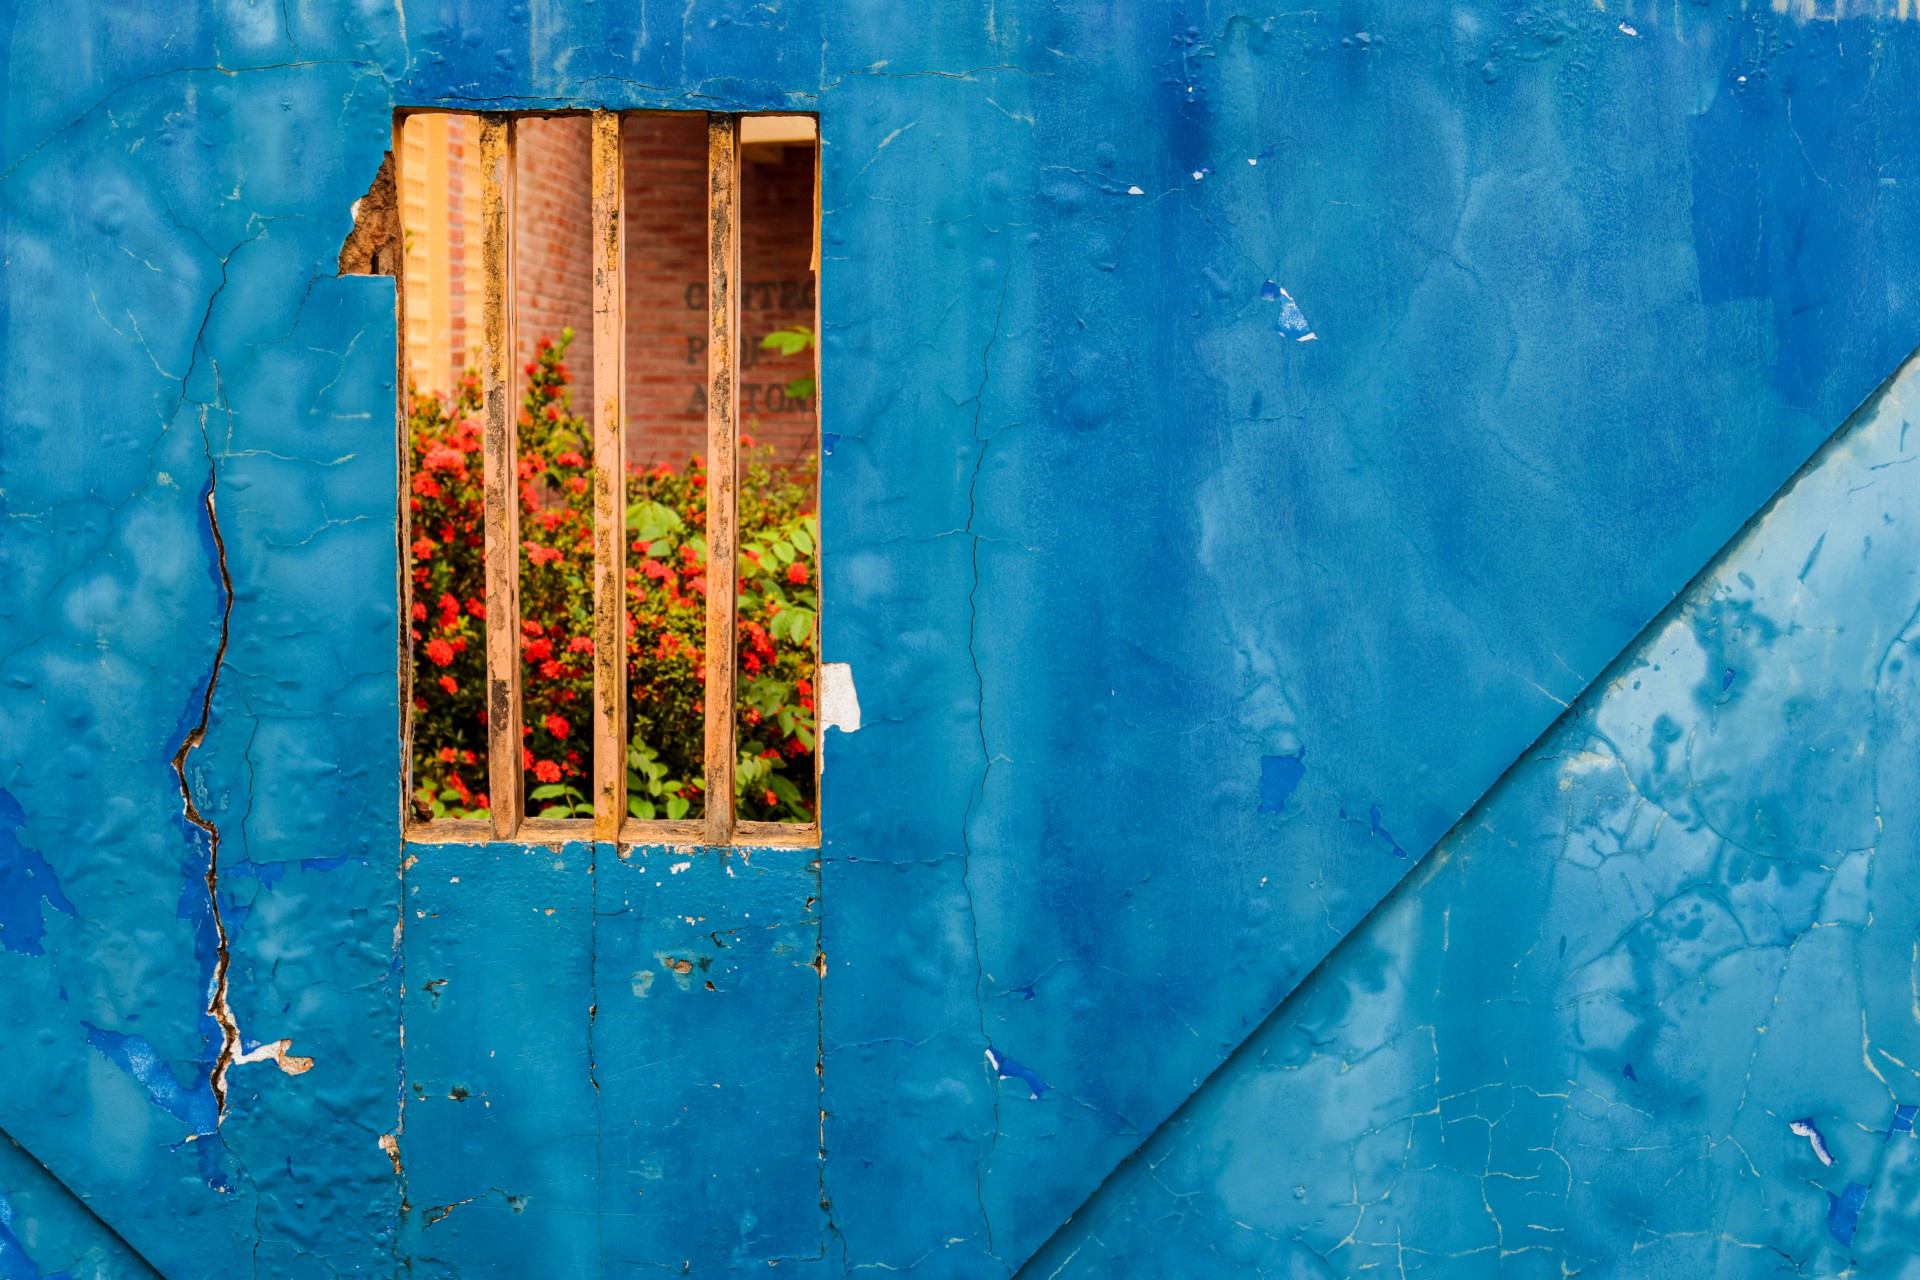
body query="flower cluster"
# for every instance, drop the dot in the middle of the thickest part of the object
(777, 607)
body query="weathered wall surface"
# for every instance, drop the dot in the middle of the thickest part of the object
(1179, 638)
(1650, 1009)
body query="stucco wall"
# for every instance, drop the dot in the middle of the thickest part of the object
(1103, 536)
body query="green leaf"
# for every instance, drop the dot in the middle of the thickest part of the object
(783, 551)
(788, 342)
(800, 388)
(677, 808)
(640, 809)
(556, 811)
(803, 541)
(549, 791)
(648, 520)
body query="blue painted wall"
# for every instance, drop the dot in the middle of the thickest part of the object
(1180, 634)
(1650, 1009)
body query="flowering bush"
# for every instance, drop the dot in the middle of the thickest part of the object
(777, 608)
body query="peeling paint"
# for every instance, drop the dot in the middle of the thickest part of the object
(1113, 564)
(839, 699)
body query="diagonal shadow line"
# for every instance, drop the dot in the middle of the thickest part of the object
(86, 1208)
(1222, 1073)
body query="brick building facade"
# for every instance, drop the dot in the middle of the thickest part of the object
(666, 367)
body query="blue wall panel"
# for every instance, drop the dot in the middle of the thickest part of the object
(47, 1233)
(1108, 541)
(1650, 1009)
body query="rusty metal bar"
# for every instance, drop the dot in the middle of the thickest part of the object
(609, 482)
(500, 454)
(723, 433)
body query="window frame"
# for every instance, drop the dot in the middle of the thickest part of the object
(718, 827)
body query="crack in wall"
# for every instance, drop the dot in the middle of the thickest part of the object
(986, 755)
(217, 1006)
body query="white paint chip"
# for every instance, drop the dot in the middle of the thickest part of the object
(276, 1052)
(1135, 191)
(839, 700)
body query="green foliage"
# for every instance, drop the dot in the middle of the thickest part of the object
(791, 342)
(777, 606)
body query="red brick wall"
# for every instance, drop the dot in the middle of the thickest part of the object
(553, 253)
(666, 193)
(666, 245)
(776, 253)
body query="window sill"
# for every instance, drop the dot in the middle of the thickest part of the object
(634, 832)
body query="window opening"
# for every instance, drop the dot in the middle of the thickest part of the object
(608, 326)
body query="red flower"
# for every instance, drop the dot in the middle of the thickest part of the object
(526, 757)
(546, 771)
(449, 684)
(553, 413)
(577, 483)
(440, 651)
(423, 550)
(447, 754)
(539, 650)
(796, 573)
(419, 612)
(551, 670)
(442, 458)
(557, 726)
(746, 441)
(541, 555)
(477, 607)
(570, 459)
(772, 799)
(580, 644)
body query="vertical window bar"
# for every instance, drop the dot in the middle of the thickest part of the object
(609, 482)
(723, 432)
(402, 462)
(500, 454)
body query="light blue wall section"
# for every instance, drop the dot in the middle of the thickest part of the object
(46, 1233)
(1179, 638)
(1650, 1009)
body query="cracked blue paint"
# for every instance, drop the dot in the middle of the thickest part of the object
(1583, 300)
(1807, 1129)
(1740, 914)
(27, 881)
(1279, 775)
(1843, 1212)
(191, 1102)
(1005, 1068)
